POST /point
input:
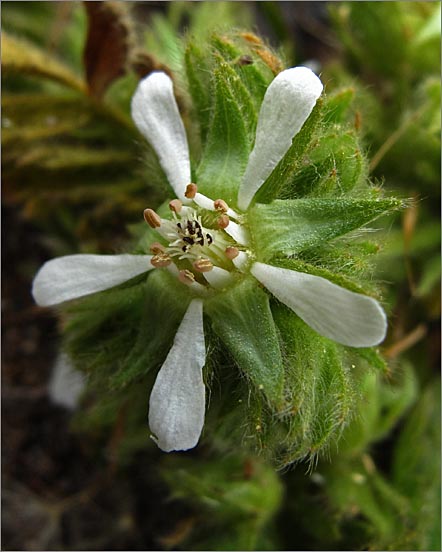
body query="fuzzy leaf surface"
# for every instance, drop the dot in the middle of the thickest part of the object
(228, 144)
(242, 318)
(290, 226)
(320, 387)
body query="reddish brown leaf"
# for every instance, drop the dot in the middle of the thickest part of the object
(107, 46)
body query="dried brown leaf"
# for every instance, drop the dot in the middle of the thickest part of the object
(108, 44)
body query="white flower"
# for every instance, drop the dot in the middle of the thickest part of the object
(206, 255)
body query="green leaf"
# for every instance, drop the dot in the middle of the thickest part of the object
(236, 498)
(228, 143)
(381, 404)
(241, 317)
(288, 226)
(355, 488)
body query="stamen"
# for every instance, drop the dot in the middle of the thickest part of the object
(223, 221)
(156, 248)
(186, 277)
(232, 253)
(161, 260)
(152, 219)
(220, 205)
(203, 265)
(191, 191)
(175, 205)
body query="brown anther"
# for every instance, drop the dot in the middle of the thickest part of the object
(221, 205)
(186, 277)
(231, 253)
(175, 205)
(223, 221)
(203, 265)
(191, 191)
(161, 260)
(156, 248)
(152, 219)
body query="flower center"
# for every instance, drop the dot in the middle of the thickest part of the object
(202, 243)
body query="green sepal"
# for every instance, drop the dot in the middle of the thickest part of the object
(200, 88)
(165, 303)
(318, 385)
(228, 142)
(334, 166)
(289, 226)
(336, 105)
(256, 76)
(242, 319)
(373, 357)
(121, 334)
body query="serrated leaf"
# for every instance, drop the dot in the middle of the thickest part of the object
(242, 319)
(21, 57)
(289, 226)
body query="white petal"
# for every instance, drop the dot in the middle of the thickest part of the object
(237, 232)
(204, 202)
(66, 383)
(288, 102)
(241, 261)
(349, 318)
(177, 401)
(218, 277)
(73, 276)
(155, 112)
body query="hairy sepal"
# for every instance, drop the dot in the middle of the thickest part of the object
(228, 141)
(288, 227)
(242, 319)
